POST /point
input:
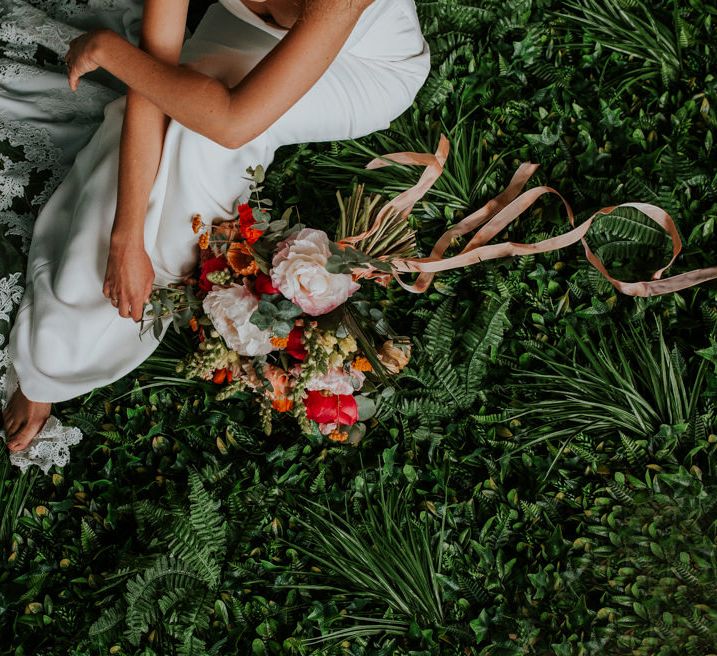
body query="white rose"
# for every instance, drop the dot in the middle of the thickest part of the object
(337, 381)
(230, 308)
(299, 273)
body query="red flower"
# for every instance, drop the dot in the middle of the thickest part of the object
(208, 266)
(246, 223)
(334, 408)
(262, 285)
(244, 212)
(222, 376)
(295, 346)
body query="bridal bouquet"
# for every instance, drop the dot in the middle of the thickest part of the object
(277, 312)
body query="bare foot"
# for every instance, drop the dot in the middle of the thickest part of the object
(23, 419)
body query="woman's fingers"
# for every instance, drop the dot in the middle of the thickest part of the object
(128, 304)
(138, 305)
(124, 307)
(136, 309)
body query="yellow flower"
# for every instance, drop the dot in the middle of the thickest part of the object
(348, 344)
(197, 223)
(204, 241)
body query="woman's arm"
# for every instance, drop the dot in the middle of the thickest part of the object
(129, 274)
(145, 124)
(232, 117)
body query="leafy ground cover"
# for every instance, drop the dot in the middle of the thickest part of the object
(541, 481)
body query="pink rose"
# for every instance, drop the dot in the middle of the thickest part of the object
(299, 272)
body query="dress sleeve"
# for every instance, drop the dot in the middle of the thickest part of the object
(374, 78)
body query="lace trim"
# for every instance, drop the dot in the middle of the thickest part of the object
(40, 155)
(10, 295)
(85, 105)
(20, 225)
(26, 25)
(51, 446)
(72, 10)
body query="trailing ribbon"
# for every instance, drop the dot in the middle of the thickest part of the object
(497, 214)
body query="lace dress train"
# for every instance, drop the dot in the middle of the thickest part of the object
(67, 338)
(43, 125)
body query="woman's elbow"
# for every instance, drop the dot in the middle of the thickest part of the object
(221, 135)
(237, 137)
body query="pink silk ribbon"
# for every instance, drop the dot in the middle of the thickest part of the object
(495, 216)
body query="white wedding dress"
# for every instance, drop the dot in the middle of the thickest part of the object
(67, 338)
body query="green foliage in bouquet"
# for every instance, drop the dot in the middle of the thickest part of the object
(276, 314)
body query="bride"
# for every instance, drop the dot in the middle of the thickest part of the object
(255, 75)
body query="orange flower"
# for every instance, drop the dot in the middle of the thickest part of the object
(241, 260)
(280, 386)
(204, 241)
(361, 363)
(279, 342)
(282, 405)
(338, 436)
(226, 230)
(197, 223)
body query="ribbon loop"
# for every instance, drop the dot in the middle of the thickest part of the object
(405, 201)
(495, 216)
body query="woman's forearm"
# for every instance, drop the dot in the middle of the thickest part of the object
(145, 125)
(202, 104)
(141, 144)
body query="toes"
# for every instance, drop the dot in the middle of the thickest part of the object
(23, 436)
(11, 425)
(15, 432)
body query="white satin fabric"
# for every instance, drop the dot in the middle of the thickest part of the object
(67, 337)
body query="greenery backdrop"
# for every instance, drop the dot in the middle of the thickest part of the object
(543, 479)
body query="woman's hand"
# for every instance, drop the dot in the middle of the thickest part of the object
(129, 277)
(80, 58)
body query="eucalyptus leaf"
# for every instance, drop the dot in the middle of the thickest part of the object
(267, 307)
(260, 320)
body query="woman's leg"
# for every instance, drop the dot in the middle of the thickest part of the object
(67, 338)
